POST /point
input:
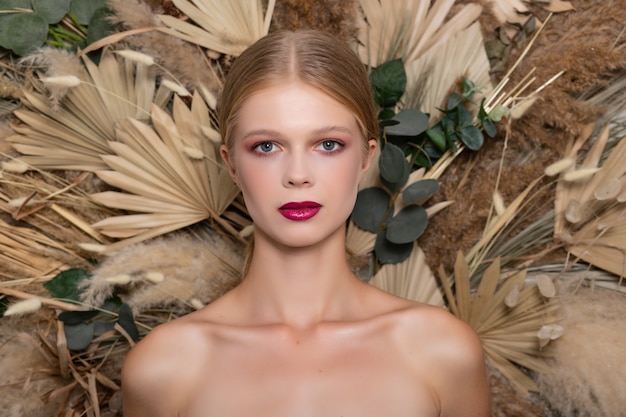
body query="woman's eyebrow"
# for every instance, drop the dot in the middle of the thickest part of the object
(317, 132)
(333, 128)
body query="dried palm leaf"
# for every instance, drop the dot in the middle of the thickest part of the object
(76, 134)
(411, 279)
(431, 77)
(171, 173)
(510, 11)
(226, 27)
(591, 212)
(509, 317)
(390, 29)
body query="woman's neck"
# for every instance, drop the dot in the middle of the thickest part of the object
(299, 287)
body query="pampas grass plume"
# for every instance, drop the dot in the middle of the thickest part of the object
(580, 174)
(177, 88)
(209, 97)
(559, 166)
(193, 153)
(92, 247)
(121, 279)
(211, 133)
(135, 56)
(155, 277)
(498, 203)
(29, 305)
(16, 166)
(195, 303)
(62, 80)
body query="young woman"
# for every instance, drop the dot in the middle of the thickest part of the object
(301, 336)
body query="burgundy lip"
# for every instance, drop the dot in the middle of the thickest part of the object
(299, 205)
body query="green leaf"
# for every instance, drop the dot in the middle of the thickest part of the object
(25, 33)
(388, 82)
(100, 26)
(472, 137)
(397, 186)
(498, 113)
(391, 253)
(437, 137)
(454, 99)
(469, 88)
(392, 163)
(489, 127)
(127, 321)
(102, 326)
(411, 123)
(79, 336)
(407, 225)
(371, 206)
(65, 285)
(83, 10)
(51, 11)
(386, 114)
(420, 190)
(72, 318)
(464, 117)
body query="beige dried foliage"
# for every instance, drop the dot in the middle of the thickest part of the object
(223, 27)
(588, 377)
(390, 29)
(166, 188)
(589, 211)
(411, 279)
(508, 328)
(76, 132)
(202, 266)
(437, 71)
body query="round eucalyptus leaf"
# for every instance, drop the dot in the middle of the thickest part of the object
(79, 336)
(65, 285)
(386, 114)
(102, 326)
(51, 11)
(25, 33)
(437, 137)
(392, 163)
(397, 186)
(490, 127)
(407, 225)
(391, 253)
(100, 25)
(127, 321)
(411, 123)
(83, 10)
(472, 137)
(370, 208)
(72, 318)
(454, 100)
(420, 190)
(465, 118)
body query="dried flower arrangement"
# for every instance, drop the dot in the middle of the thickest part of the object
(138, 127)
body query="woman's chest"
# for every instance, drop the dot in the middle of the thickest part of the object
(312, 379)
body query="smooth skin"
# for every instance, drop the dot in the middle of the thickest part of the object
(301, 336)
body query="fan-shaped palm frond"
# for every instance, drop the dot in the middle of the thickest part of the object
(75, 135)
(590, 205)
(514, 321)
(226, 27)
(411, 279)
(431, 77)
(171, 173)
(406, 29)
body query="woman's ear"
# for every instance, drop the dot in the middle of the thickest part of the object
(228, 159)
(371, 149)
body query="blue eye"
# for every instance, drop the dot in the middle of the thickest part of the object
(265, 147)
(330, 145)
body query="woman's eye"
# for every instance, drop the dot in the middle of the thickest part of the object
(330, 145)
(265, 147)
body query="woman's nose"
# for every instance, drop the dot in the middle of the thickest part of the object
(298, 171)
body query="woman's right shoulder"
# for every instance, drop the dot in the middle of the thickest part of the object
(159, 370)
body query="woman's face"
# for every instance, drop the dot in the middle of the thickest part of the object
(297, 155)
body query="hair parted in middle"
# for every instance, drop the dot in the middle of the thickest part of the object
(313, 57)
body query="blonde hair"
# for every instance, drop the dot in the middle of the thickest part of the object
(313, 57)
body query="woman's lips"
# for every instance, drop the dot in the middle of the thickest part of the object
(300, 211)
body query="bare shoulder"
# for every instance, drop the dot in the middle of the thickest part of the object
(450, 356)
(157, 371)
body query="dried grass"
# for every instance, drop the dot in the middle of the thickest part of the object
(334, 16)
(199, 267)
(588, 377)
